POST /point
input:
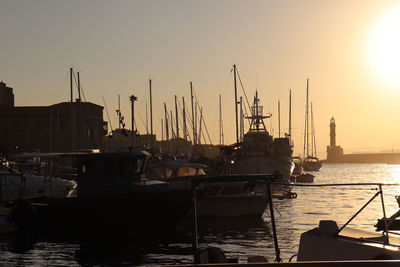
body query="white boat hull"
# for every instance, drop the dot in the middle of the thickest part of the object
(264, 165)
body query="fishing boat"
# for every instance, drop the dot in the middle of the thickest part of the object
(259, 152)
(113, 198)
(310, 161)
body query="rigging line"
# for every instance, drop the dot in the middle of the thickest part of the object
(181, 121)
(144, 124)
(205, 125)
(81, 87)
(244, 92)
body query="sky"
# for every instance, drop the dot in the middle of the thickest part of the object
(347, 48)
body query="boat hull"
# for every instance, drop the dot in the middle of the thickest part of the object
(312, 166)
(264, 165)
(138, 214)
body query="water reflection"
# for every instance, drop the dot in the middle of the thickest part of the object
(238, 237)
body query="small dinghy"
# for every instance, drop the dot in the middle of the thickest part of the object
(305, 178)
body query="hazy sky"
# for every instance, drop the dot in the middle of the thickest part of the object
(348, 49)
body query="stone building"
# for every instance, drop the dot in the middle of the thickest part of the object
(62, 127)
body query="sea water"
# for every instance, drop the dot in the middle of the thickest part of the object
(239, 238)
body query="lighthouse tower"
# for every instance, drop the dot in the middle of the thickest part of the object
(332, 126)
(334, 152)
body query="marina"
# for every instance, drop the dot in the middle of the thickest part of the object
(239, 238)
(199, 133)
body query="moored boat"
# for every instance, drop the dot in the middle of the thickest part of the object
(113, 196)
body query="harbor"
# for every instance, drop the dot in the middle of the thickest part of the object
(213, 133)
(239, 238)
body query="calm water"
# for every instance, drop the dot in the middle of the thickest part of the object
(238, 238)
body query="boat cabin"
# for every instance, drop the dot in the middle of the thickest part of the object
(110, 173)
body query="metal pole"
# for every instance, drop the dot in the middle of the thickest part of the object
(290, 114)
(176, 120)
(70, 81)
(271, 210)
(166, 122)
(184, 119)
(133, 99)
(384, 215)
(79, 88)
(151, 110)
(279, 118)
(236, 102)
(358, 212)
(194, 129)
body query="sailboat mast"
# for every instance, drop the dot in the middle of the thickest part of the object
(279, 118)
(79, 87)
(241, 120)
(184, 118)
(193, 126)
(166, 122)
(201, 118)
(290, 114)
(220, 121)
(151, 110)
(172, 125)
(307, 122)
(236, 102)
(176, 119)
(162, 130)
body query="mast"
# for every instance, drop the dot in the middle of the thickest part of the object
(195, 122)
(220, 121)
(290, 114)
(241, 120)
(72, 111)
(70, 81)
(193, 126)
(236, 102)
(79, 88)
(119, 114)
(151, 110)
(201, 118)
(162, 130)
(176, 119)
(184, 118)
(133, 98)
(279, 118)
(172, 125)
(306, 131)
(166, 122)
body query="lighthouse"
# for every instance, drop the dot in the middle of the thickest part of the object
(332, 126)
(334, 152)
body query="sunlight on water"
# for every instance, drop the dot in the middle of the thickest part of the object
(396, 173)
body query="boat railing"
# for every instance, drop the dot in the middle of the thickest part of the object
(271, 180)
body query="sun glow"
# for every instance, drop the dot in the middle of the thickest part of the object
(384, 46)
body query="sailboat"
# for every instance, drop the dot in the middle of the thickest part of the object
(310, 160)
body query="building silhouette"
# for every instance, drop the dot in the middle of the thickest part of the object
(62, 127)
(334, 152)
